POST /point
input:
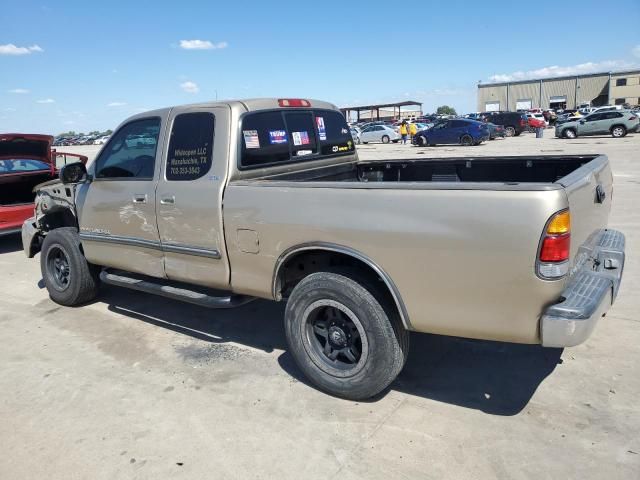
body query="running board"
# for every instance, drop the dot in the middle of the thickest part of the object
(165, 289)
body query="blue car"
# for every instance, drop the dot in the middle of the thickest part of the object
(459, 130)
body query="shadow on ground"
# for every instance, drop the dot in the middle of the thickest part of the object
(10, 243)
(496, 378)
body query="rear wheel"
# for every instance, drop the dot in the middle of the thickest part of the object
(385, 139)
(569, 133)
(466, 140)
(342, 337)
(510, 131)
(618, 131)
(69, 278)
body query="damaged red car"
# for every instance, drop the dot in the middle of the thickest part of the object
(26, 160)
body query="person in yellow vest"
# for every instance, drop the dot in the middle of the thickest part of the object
(404, 131)
(412, 131)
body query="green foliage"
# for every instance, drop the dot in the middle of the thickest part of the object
(446, 110)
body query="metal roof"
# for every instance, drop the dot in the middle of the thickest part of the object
(383, 105)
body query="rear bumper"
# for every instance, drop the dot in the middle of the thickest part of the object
(590, 292)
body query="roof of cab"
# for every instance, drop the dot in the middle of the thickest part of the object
(249, 105)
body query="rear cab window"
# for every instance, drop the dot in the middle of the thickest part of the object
(281, 136)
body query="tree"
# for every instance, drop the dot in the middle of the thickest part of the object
(446, 110)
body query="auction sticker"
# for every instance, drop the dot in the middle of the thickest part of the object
(321, 130)
(277, 136)
(300, 138)
(251, 139)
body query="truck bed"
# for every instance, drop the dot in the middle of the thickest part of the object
(504, 170)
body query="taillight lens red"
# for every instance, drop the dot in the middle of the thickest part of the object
(555, 248)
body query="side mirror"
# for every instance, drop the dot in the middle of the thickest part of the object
(74, 173)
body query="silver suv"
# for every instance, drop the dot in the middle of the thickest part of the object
(617, 123)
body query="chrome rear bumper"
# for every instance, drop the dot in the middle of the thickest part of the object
(590, 292)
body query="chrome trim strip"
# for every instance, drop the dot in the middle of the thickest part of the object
(139, 242)
(136, 242)
(187, 250)
(395, 293)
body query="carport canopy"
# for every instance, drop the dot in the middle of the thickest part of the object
(346, 111)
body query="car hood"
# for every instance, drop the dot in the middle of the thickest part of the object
(25, 146)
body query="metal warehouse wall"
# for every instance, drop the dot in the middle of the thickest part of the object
(492, 93)
(559, 88)
(590, 88)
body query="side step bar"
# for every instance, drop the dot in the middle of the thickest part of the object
(165, 289)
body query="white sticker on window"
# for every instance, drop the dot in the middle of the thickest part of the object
(251, 139)
(322, 132)
(300, 138)
(301, 153)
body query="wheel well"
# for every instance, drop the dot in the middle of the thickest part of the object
(59, 218)
(617, 125)
(301, 264)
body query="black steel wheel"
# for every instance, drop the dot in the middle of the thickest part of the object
(466, 140)
(344, 335)
(69, 278)
(58, 268)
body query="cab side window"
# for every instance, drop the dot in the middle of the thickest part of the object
(131, 152)
(191, 146)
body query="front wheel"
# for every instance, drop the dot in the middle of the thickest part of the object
(69, 278)
(422, 141)
(385, 139)
(618, 131)
(510, 131)
(569, 133)
(342, 338)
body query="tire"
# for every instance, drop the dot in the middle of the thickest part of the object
(385, 139)
(69, 278)
(422, 141)
(618, 131)
(569, 133)
(327, 310)
(466, 140)
(509, 131)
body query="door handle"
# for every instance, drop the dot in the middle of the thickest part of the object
(168, 200)
(140, 198)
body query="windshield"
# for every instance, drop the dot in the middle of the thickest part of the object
(20, 166)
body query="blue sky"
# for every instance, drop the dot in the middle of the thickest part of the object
(84, 66)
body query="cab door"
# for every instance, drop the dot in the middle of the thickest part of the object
(189, 196)
(116, 210)
(591, 124)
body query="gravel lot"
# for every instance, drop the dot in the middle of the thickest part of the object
(136, 386)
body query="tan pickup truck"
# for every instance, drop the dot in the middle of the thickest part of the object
(220, 203)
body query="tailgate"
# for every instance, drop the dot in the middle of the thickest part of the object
(589, 190)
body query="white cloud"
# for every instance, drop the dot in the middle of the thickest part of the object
(557, 71)
(636, 51)
(202, 45)
(116, 104)
(46, 100)
(9, 109)
(190, 87)
(18, 90)
(11, 49)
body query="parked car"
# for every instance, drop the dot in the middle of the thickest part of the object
(617, 123)
(514, 123)
(459, 130)
(378, 133)
(26, 160)
(512, 249)
(496, 131)
(101, 140)
(535, 123)
(537, 116)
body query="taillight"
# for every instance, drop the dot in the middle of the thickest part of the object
(293, 102)
(632, 117)
(523, 122)
(553, 255)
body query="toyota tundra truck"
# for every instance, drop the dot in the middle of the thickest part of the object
(221, 203)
